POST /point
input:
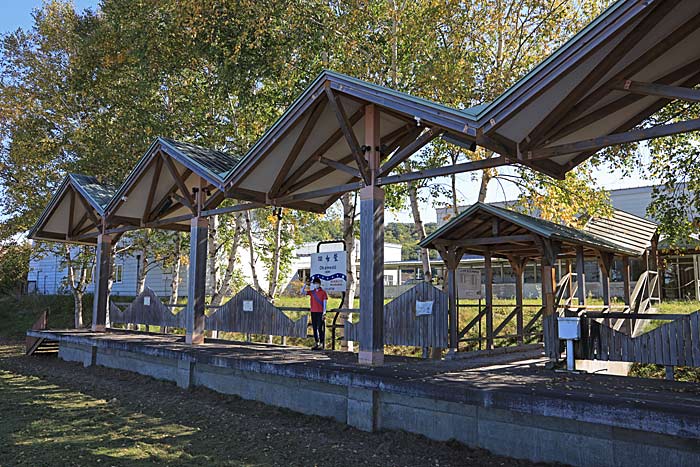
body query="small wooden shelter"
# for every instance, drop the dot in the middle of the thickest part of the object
(495, 232)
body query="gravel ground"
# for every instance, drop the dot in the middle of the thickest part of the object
(59, 413)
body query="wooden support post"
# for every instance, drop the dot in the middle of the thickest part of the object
(453, 311)
(372, 248)
(518, 267)
(451, 257)
(580, 277)
(489, 299)
(103, 266)
(626, 279)
(605, 260)
(197, 277)
(549, 323)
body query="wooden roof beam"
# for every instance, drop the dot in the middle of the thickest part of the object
(538, 135)
(632, 136)
(152, 191)
(325, 146)
(659, 90)
(179, 182)
(633, 68)
(306, 130)
(346, 128)
(406, 152)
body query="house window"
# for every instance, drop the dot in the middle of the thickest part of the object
(118, 272)
(388, 279)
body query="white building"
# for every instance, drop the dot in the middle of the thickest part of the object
(48, 272)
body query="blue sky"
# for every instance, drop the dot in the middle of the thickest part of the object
(18, 13)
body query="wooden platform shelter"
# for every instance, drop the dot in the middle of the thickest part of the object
(495, 232)
(343, 134)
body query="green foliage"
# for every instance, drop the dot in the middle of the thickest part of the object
(18, 315)
(14, 267)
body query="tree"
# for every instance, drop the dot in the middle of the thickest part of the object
(14, 267)
(79, 262)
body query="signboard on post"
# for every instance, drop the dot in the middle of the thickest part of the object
(469, 284)
(331, 268)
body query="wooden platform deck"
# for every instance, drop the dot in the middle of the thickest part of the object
(515, 384)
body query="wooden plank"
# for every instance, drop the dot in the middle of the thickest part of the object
(695, 337)
(659, 356)
(685, 348)
(604, 338)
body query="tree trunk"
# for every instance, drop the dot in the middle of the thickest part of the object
(212, 252)
(175, 282)
(225, 287)
(75, 289)
(420, 229)
(251, 248)
(349, 240)
(485, 179)
(141, 279)
(274, 274)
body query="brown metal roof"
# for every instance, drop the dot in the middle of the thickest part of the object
(624, 229)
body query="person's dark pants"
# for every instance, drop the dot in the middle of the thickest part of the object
(319, 325)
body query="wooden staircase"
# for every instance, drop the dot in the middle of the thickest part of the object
(43, 346)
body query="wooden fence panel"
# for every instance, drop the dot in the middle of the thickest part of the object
(403, 327)
(250, 312)
(676, 343)
(146, 309)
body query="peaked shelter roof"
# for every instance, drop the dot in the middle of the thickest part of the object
(508, 232)
(159, 190)
(306, 151)
(627, 64)
(75, 212)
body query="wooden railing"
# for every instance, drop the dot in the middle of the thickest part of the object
(530, 329)
(676, 343)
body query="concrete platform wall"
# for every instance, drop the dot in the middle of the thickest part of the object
(510, 433)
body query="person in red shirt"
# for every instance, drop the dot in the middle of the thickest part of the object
(318, 300)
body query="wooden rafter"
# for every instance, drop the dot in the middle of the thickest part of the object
(631, 136)
(313, 158)
(316, 112)
(80, 223)
(574, 122)
(634, 121)
(89, 209)
(633, 68)
(152, 190)
(71, 208)
(317, 175)
(187, 197)
(405, 152)
(342, 167)
(659, 90)
(158, 209)
(658, 11)
(346, 128)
